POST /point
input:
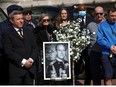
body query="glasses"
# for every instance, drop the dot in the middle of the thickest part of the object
(99, 13)
(44, 20)
(28, 13)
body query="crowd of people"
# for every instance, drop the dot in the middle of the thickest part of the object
(21, 47)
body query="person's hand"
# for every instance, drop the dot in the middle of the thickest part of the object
(28, 64)
(30, 60)
(113, 49)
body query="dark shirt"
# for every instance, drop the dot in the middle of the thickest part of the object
(55, 66)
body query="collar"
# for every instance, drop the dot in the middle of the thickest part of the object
(17, 29)
(84, 17)
(59, 60)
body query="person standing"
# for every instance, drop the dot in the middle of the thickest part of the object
(28, 21)
(3, 59)
(63, 18)
(6, 24)
(86, 19)
(20, 47)
(94, 49)
(83, 16)
(107, 40)
(43, 33)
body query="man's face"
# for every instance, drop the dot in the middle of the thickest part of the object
(61, 51)
(18, 21)
(99, 14)
(82, 11)
(27, 17)
(112, 16)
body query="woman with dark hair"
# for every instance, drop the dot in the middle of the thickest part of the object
(63, 18)
(43, 33)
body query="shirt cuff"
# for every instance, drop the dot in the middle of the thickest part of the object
(31, 59)
(23, 62)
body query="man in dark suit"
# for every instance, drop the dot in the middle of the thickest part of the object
(20, 47)
(3, 60)
(6, 24)
(84, 16)
(86, 19)
(29, 22)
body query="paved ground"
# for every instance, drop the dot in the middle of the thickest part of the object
(81, 82)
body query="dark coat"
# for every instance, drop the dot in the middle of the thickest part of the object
(41, 35)
(29, 26)
(17, 48)
(4, 26)
(4, 73)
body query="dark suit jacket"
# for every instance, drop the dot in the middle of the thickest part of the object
(3, 26)
(29, 26)
(17, 49)
(88, 19)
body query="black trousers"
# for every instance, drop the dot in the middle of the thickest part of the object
(4, 68)
(27, 79)
(88, 76)
(86, 58)
(95, 63)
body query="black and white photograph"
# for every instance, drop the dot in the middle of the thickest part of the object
(56, 60)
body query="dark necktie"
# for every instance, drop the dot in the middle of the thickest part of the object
(82, 23)
(21, 33)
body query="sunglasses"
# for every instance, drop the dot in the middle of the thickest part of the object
(27, 13)
(99, 13)
(44, 20)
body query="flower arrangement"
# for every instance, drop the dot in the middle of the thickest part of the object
(78, 39)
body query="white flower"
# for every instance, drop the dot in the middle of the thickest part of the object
(78, 39)
(94, 32)
(71, 53)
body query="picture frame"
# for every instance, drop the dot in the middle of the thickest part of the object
(56, 58)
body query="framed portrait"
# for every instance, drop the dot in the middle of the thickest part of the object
(56, 60)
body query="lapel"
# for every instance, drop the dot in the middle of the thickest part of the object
(15, 33)
(26, 35)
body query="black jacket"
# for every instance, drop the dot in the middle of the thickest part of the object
(41, 35)
(17, 48)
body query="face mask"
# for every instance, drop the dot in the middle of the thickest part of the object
(82, 13)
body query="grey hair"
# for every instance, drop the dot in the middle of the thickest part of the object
(15, 12)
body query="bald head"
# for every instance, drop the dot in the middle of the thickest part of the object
(99, 14)
(99, 9)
